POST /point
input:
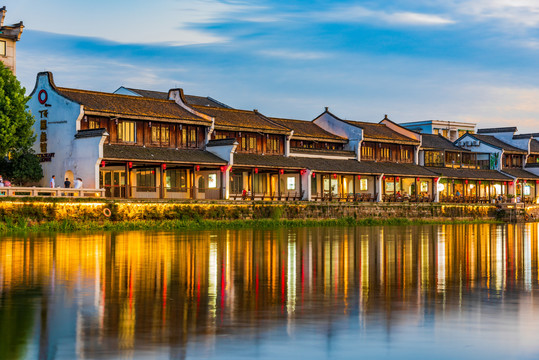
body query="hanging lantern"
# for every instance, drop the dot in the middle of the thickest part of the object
(418, 179)
(398, 178)
(130, 164)
(314, 174)
(537, 181)
(102, 163)
(281, 171)
(436, 179)
(334, 176)
(479, 182)
(525, 181)
(302, 171)
(223, 168)
(505, 183)
(197, 168)
(256, 170)
(164, 166)
(359, 177)
(466, 181)
(383, 177)
(510, 183)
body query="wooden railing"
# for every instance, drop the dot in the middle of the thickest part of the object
(50, 192)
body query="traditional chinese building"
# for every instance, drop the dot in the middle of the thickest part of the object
(9, 35)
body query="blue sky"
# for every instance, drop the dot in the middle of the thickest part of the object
(458, 60)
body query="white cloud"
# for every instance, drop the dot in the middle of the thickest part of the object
(161, 21)
(353, 14)
(294, 54)
(523, 13)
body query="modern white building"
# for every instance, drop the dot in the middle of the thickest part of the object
(451, 130)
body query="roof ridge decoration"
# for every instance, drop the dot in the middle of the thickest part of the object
(138, 98)
(178, 97)
(512, 129)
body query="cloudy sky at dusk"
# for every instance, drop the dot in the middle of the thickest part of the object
(457, 60)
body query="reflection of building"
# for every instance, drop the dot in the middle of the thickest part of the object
(147, 291)
(9, 35)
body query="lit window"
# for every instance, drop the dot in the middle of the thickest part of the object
(291, 183)
(363, 184)
(126, 131)
(212, 181)
(3, 48)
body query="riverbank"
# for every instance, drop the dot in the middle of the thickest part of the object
(99, 214)
(73, 225)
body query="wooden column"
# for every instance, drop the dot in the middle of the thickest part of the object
(252, 182)
(127, 180)
(301, 183)
(279, 185)
(354, 186)
(161, 182)
(193, 186)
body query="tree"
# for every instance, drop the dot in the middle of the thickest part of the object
(18, 163)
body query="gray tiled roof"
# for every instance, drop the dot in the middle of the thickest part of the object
(430, 141)
(472, 174)
(91, 133)
(156, 154)
(521, 174)
(191, 99)
(489, 139)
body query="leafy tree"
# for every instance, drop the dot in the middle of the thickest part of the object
(16, 135)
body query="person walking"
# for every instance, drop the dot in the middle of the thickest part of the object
(78, 183)
(51, 182)
(67, 183)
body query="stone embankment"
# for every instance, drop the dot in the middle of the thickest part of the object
(39, 211)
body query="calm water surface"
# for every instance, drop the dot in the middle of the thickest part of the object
(440, 292)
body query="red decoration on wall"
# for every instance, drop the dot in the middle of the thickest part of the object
(42, 97)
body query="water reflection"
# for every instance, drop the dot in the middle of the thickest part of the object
(317, 292)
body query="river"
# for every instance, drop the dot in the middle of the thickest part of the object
(430, 291)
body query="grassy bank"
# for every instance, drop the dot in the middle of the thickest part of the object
(73, 225)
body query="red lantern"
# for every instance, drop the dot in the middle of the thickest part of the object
(417, 179)
(436, 179)
(334, 176)
(314, 174)
(359, 177)
(505, 183)
(130, 165)
(525, 181)
(537, 181)
(281, 171)
(302, 171)
(398, 178)
(479, 182)
(223, 169)
(383, 177)
(197, 168)
(102, 163)
(510, 183)
(466, 182)
(164, 166)
(256, 170)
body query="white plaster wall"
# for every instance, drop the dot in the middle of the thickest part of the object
(482, 148)
(224, 152)
(335, 126)
(62, 124)
(85, 159)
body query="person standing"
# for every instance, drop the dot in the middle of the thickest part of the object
(78, 183)
(67, 183)
(51, 182)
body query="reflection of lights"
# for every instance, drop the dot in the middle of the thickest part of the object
(212, 279)
(291, 280)
(527, 261)
(441, 261)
